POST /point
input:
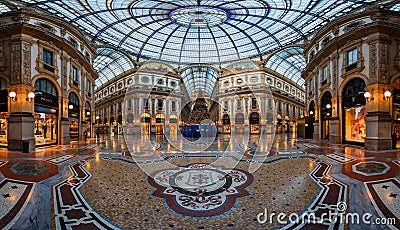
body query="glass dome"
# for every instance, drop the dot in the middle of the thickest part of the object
(187, 32)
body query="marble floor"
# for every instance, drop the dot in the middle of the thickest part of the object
(229, 182)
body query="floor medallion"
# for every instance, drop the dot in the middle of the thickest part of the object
(200, 190)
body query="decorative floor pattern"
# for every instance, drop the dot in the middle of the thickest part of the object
(339, 158)
(290, 152)
(29, 170)
(70, 207)
(386, 198)
(13, 198)
(370, 170)
(200, 190)
(60, 159)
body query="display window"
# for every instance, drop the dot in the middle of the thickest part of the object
(74, 130)
(45, 129)
(3, 129)
(355, 124)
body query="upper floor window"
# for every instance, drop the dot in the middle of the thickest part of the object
(269, 80)
(279, 84)
(74, 73)
(352, 56)
(173, 83)
(254, 79)
(226, 105)
(226, 83)
(48, 60)
(239, 81)
(145, 80)
(160, 82)
(254, 103)
(160, 103)
(129, 105)
(146, 103)
(324, 73)
(89, 86)
(173, 105)
(239, 104)
(269, 103)
(310, 86)
(287, 88)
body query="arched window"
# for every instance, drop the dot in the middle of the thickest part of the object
(3, 84)
(45, 86)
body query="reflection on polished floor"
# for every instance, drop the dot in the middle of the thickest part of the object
(224, 182)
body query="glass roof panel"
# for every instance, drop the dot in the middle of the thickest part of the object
(289, 62)
(199, 79)
(196, 31)
(109, 63)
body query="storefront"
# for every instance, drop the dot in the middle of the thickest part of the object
(326, 114)
(309, 123)
(239, 123)
(173, 127)
(160, 124)
(254, 121)
(226, 124)
(145, 124)
(73, 115)
(396, 112)
(354, 112)
(130, 123)
(45, 113)
(279, 124)
(3, 112)
(88, 120)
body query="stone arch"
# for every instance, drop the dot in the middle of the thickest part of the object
(52, 80)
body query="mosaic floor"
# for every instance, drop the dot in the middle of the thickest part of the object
(235, 182)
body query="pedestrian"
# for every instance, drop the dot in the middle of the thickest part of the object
(85, 135)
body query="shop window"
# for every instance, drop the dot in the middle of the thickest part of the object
(354, 112)
(48, 60)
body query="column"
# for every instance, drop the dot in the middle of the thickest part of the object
(335, 128)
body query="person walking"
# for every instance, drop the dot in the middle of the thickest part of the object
(85, 135)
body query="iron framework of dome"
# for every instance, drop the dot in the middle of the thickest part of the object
(187, 32)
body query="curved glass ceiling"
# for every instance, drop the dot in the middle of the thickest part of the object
(289, 62)
(208, 31)
(110, 63)
(199, 79)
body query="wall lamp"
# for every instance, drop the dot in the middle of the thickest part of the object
(368, 96)
(328, 106)
(13, 96)
(88, 113)
(311, 112)
(71, 107)
(97, 117)
(30, 97)
(387, 95)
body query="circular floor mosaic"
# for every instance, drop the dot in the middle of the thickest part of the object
(29, 168)
(200, 190)
(371, 168)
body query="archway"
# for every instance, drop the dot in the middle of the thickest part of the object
(145, 124)
(226, 123)
(326, 114)
(396, 111)
(160, 124)
(74, 115)
(46, 112)
(310, 119)
(354, 113)
(173, 127)
(239, 123)
(254, 121)
(3, 112)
